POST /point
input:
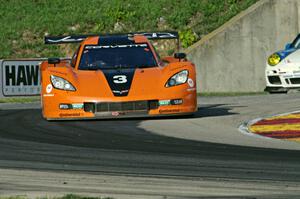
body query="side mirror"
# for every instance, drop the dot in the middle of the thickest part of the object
(53, 61)
(288, 46)
(180, 56)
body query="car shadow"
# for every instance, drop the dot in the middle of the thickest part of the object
(203, 111)
(215, 110)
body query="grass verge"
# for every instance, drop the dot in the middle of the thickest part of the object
(68, 196)
(20, 100)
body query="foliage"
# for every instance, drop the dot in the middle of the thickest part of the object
(187, 38)
(68, 196)
(25, 23)
(20, 99)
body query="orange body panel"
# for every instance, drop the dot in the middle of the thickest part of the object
(92, 87)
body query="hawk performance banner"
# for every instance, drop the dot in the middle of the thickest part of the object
(20, 77)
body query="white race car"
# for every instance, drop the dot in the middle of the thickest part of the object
(283, 69)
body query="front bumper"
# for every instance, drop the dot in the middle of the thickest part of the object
(101, 109)
(122, 116)
(278, 80)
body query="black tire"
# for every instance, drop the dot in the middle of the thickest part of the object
(278, 92)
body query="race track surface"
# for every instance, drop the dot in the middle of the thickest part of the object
(199, 157)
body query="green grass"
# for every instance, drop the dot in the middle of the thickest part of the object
(68, 196)
(19, 99)
(230, 94)
(25, 23)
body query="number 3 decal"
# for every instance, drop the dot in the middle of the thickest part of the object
(120, 79)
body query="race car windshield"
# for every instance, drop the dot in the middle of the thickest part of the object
(117, 56)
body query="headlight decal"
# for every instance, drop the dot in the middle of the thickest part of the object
(274, 59)
(178, 79)
(61, 83)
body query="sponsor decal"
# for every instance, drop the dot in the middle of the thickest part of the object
(159, 35)
(48, 95)
(64, 106)
(71, 106)
(77, 106)
(65, 39)
(164, 102)
(117, 46)
(20, 77)
(170, 102)
(120, 92)
(115, 113)
(49, 88)
(191, 82)
(69, 114)
(176, 101)
(169, 111)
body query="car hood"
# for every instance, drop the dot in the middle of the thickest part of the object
(121, 83)
(284, 53)
(293, 57)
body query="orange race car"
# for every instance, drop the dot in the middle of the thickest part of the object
(112, 76)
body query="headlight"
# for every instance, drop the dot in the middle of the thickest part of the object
(178, 78)
(274, 59)
(61, 83)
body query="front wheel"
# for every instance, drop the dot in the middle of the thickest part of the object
(276, 90)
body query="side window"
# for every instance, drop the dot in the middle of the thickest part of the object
(155, 51)
(160, 61)
(74, 58)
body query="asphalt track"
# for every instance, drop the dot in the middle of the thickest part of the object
(200, 157)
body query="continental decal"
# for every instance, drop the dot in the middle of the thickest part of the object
(69, 114)
(169, 111)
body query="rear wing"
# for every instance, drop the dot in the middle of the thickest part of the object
(80, 38)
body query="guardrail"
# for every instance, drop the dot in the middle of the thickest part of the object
(20, 77)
